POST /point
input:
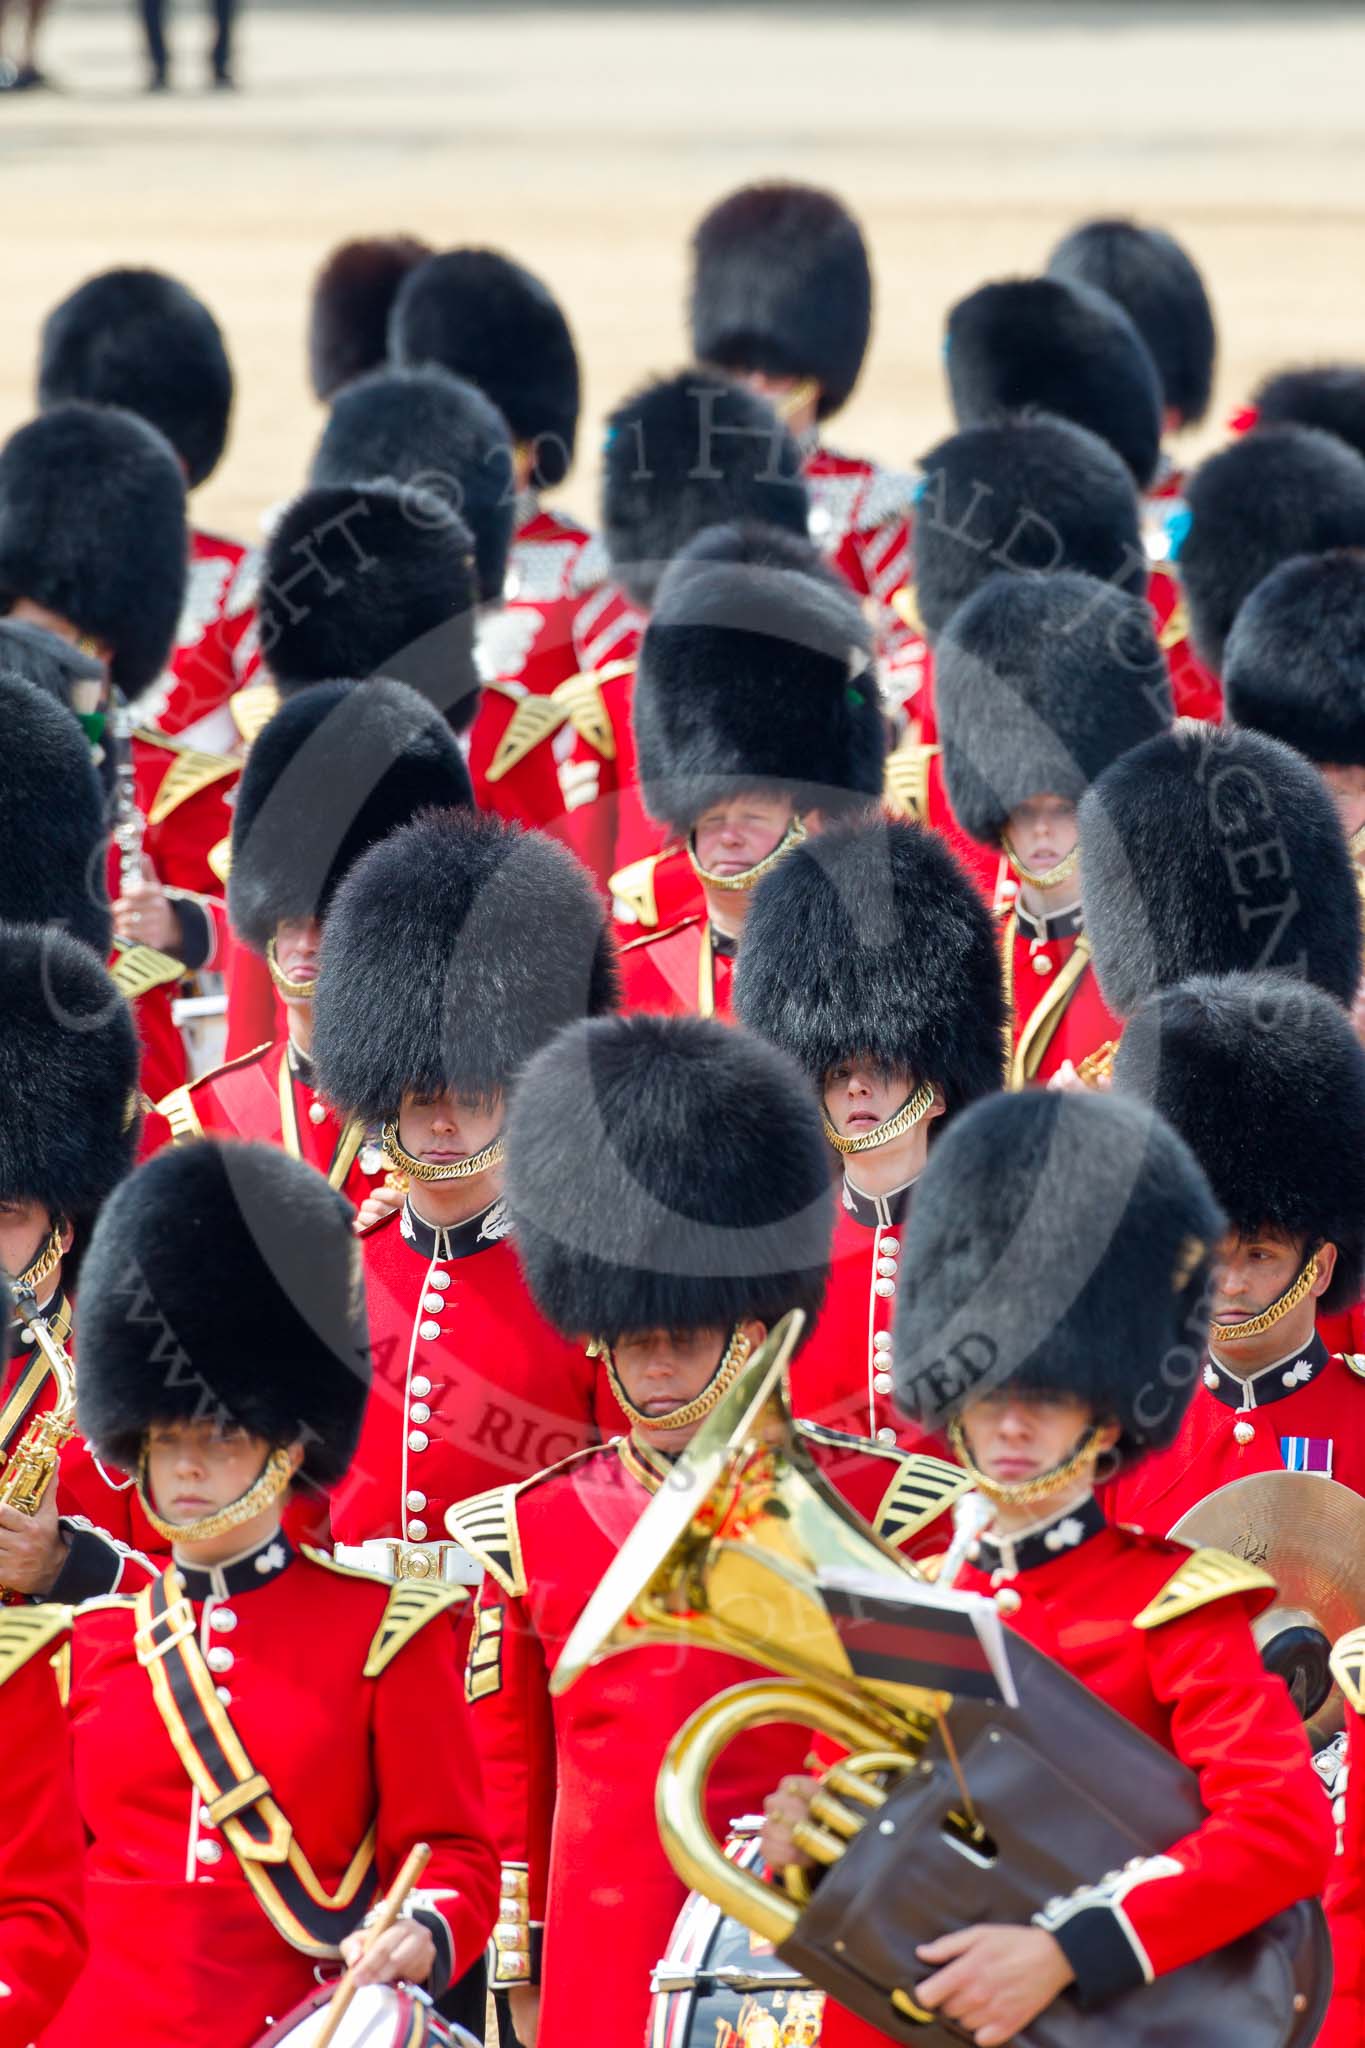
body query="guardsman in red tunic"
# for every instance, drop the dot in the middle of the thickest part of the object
(1210, 850)
(1059, 346)
(1042, 682)
(453, 950)
(668, 1182)
(756, 720)
(68, 1125)
(339, 766)
(252, 1697)
(870, 958)
(781, 295)
(682, 453)
(142, 340)
(1068, 1237)
(1160, 288)
(1264, 1078)
(1345, 1896)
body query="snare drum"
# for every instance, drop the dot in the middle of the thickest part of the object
(719, 1986)
(379, 2016)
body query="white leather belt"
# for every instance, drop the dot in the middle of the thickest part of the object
(449, 1562)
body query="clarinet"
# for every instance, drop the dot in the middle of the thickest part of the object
(128, 823)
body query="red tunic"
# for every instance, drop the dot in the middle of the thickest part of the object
(861, 517)
(1197, 691)
(604, 820)
(185, 796)
(42, 1847)
(683, 970)
(215, 642)
(1196, 1685)
(1315, 1424)
(181, 1951)
(471, 1389)
(1057, 1015)
(1344, 2026)
(571, 1780)
(243, 1100)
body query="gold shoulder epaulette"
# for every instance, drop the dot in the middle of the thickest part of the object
(136, 969)
(907, 779)
(253, 708)
(1348, 1668)
(650, 938)
(486, 1524)
(412, 1604)
(179, 1112)
(634, 887)
(26, 1631)
(219, 858)
(1354, 1361)
(1176, 628)
(1203, 1577)
(920, 1492)
(906, 607)
(190, 772)
(577, 701)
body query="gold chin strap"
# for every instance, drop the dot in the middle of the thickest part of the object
(907, 1116)
(1237, 1333)
(301, 991)
(1028, 1490)
(806, 392)
(1044, 878)
(44, 1266)
(722, 1379)
(274, 1479)
(792, 837)
(419, 1169)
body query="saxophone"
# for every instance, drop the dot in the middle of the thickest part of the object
(28, 1468)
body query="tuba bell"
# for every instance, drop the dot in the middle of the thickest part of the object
(948, 1810)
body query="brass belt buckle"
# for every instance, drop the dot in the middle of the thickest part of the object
(418, 1560)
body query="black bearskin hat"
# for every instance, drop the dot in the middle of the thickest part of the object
(223, 1283)
(1329, 395)
(688, 452)
(870, 939)
(667, 1173)
(1264, 1078)
(52, 665)
(372, 579)
(339, 767)
(68, 1075)
(483, 317)
(781, 284)
(436, 433)
(1039, 683)
(139, 339)
(751, 676)
(1275, 493)
(1058, 1243)
(453, 952)
(1295, 660)
(1040, 341)
(1163, 294)
(1214, 851)
(353, 295)
(52, 820)
(92, 526)
(1032, 493)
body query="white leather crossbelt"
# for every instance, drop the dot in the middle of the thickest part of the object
(448, 1562)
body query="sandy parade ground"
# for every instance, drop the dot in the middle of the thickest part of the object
(586, 141)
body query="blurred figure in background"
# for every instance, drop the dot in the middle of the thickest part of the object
(24, 76)
(154, 26)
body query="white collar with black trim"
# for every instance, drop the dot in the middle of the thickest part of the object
(874, 1210)
(1272, 1383)
(454, 1240)
(245, 1573)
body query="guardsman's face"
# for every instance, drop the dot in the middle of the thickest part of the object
(443, 1130)
(1015, 1437)
(663, 1370)
(1346, 786)
(24, 1229)
(298, 948)
(732, 837)
(195, 1468)
(1043, 831)
(1255, 1269)
(860, 1093)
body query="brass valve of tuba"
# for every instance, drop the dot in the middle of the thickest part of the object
(28, 1468)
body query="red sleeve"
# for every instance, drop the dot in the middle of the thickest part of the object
(1267, 1840)
(42, 1858)
(433, 1792)
(508, 1685)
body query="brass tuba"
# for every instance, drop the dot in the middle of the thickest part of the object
(947, 1811)
(27, 1470)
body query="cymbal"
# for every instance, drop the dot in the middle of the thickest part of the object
(1308, 1532)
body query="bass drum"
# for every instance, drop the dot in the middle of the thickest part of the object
(379, 2016)
(720, 1986)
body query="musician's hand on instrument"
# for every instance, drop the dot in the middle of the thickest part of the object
(32, 1547)
(993, 1980)
(144, 914)
(380, 1202)
(404, 1953)
(783, 1812)
(523, 2005)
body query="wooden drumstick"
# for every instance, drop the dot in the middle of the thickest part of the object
(394, 1900)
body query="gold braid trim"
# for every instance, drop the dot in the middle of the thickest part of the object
(1045, 878)
(274, 1479)
(43, 1267)
(906, 1117)
(418, 1169)
(792, 837)
(1028, 1490)
(722, 1379)
(1237, 1333)
(301, 991)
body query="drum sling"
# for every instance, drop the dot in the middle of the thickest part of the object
(238, 1796)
